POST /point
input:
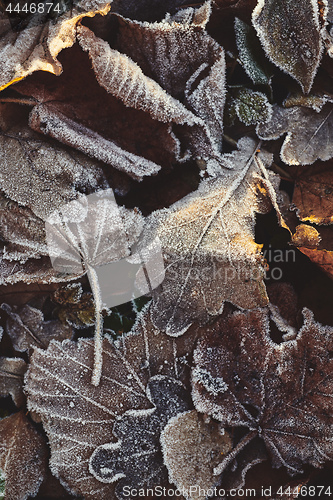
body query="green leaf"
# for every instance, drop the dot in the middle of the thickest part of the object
(251, 55)
(252, 107)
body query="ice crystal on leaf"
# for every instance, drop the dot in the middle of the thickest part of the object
(280, 392)
(11, 379)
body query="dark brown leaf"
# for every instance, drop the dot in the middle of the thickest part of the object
(12, 371)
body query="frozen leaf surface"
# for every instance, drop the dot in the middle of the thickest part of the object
(192, 447)
(138, 434)
(23, 455)
(36, 46)
(291, 37)
(40, 174)
(12, 371)
(27, 328)
(73, 411)
(207, 242)
(309, 134)
(251, 55)
(252, 107)
(280, 392)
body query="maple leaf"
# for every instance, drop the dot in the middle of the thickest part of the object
(59, 389)
(280, 392)
(207, 243)
(309, 133)
(22, 457)
(291, 37)
(26, 328)
(11, 379)
(36, 46)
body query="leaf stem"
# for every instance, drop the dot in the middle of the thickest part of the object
(98, 348)
(27, 102)
(230, 457)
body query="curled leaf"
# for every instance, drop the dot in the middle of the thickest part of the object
(12, 371)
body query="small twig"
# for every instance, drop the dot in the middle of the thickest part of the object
(230, 140)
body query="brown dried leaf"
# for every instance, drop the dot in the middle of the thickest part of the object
(207, 240)
(280, 392)
(37, 45)
(192, 447)
(59, 389)
(23, 455)
(11, 379)
(27, 328)
(313, 193)
(317, 245)
(309, 134)
(40, 174)
(21, 231)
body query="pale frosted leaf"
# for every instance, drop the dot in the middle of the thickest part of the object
(291, 37)
(251, 54)
(36, 46)
(41, 174)
(122, 77)
(138, 433)
(21, 231)
(192, 447)
(11, 379)
(280, 392)
(208, 245)
(147, 10)
(26, 328)
(73, 411)
(48, 120)
(23, 455)
(309, 134)
(195, 72)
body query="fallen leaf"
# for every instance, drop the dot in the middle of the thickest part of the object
(59, 389)
(280, 392)
(40, 174)
(208, 246)
(313, 193)
(138, 433)
(251, 107)
(192, 447)
(21, 232)
(291, 37)
(36, 46)
(27, 329)
(316, 244)
(12, 371)
(75, 307)
(22, 457)
(309, 134)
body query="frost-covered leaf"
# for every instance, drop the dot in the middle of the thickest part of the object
(313, 193)
(23, 455)
(21, 232)
(252, 107)
(251, 55)
(291, 36)
(79, 417)
(280, 392)
(2, 485)
(138, 433)
(36, 46)
(309, 134)
(208, 245)
(12, 371)
(27, 328)
(40, 174)
(192, 447)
